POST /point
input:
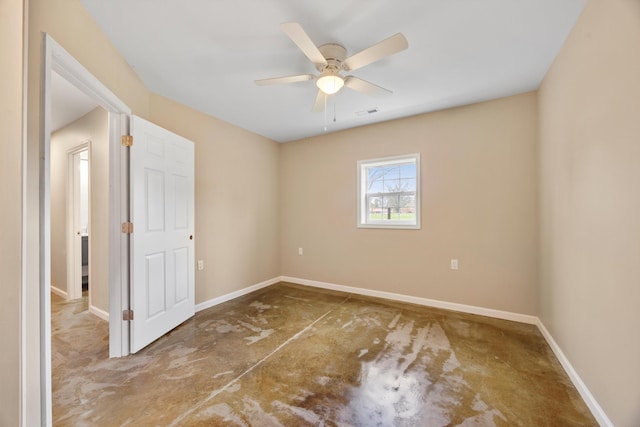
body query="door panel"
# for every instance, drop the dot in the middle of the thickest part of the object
(156, 285)
(154, 189)
(181, 260)
(162, 250)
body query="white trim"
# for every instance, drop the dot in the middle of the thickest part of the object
(586, 395)
(228, 297)
(92, 308)
(59, 292)
(26, 406)
(99, 312)
(44, 203)
(118, 242)
(76, 74)
(361, 181)
(588, 398)
(489, 312)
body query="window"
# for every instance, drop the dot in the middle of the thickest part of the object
(389, 192)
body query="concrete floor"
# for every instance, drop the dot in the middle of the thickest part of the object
(289, 355)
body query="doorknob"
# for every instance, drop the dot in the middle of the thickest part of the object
(191, 237)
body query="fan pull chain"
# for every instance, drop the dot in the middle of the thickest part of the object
(326, 128)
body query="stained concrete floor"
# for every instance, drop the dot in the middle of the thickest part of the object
(289, 355)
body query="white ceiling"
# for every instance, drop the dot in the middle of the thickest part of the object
(206, 54)
(68, 103)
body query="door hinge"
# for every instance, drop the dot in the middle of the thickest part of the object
(127, 140)
(127, 314)
(127, 228)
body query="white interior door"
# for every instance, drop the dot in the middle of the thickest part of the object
(162, 247)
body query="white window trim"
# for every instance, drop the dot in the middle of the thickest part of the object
(361, 182)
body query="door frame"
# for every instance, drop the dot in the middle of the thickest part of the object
(56, 58)
(74, 252)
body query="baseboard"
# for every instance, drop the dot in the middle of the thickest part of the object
(586, 395)
(588, 398)
(98, 312)
(59, 292)
(498, 314)
(228, 297)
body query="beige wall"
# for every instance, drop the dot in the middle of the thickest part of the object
(479, 205)
(590, 203)
(93, 127)
(236, 198)
(11, 27)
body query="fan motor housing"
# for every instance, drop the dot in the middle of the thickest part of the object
(334, 54)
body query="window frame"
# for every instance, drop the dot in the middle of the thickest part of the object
(362, 167)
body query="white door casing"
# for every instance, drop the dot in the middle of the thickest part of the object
(74, 238)
(162, 246)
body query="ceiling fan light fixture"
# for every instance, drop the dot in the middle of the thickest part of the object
(330, 83)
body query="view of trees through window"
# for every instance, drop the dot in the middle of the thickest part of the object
(391, 192)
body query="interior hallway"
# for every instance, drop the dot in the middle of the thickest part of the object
(292, 355)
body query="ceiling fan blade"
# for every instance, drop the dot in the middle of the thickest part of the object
(319, 103)
(365, 87)
(287, 79)
(393, 44)
(302, 40)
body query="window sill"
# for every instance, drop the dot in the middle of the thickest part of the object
(391, 226)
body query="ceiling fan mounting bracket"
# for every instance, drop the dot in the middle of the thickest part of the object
(335, 54)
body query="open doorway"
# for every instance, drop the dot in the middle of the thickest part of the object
(70, 215)
(79, 182)
(78, 218)
(70, 186)
(79, 191)
(59, 63)
(79, 308)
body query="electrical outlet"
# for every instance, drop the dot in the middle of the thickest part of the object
(200, 264)
(300, 251)
(454, 264)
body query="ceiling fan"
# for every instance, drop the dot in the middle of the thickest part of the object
(331, 59)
